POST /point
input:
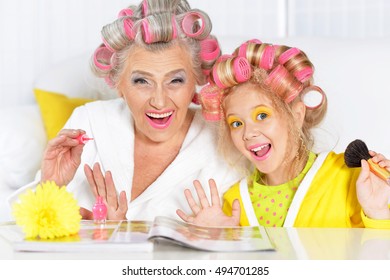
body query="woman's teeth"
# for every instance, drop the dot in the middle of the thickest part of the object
(159, 116)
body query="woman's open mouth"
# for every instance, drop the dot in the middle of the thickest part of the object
(159, 120)
(260, 151)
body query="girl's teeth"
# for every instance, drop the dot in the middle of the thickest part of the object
(259, 148)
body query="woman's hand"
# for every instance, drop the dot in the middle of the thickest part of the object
(62, 157)
(373, 192)
(206, 214)
(104, 186)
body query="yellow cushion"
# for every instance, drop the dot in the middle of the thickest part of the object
(56, 109)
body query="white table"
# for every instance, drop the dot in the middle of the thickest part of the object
(290, 243)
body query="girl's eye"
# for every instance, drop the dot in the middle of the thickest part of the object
(235, 124)
(261, 113)
(261, 116)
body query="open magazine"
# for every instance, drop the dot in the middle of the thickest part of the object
(140, 236)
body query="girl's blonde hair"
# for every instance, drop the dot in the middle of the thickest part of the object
(285, 75)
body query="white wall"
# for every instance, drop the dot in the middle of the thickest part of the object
(36, 34)
(339, 18)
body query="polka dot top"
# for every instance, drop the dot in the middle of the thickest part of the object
(271, 203)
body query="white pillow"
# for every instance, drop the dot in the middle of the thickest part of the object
(23, 141)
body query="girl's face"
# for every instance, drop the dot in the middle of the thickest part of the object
(158, 88)
(259, 132)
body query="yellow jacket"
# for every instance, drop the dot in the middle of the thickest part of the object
(325, 198)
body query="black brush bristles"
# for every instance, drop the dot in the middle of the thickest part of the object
(355, 152)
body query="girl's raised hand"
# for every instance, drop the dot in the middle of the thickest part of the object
(62, 157)
(103, 185)
(206, 214)
(373, 192)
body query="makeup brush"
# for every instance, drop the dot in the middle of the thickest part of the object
(356, 151)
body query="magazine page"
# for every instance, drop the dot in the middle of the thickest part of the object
(211, 238)
(118, 236)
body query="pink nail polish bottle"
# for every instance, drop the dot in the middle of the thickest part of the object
(83, 138)
(99, 211)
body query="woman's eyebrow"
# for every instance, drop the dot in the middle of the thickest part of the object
(170, 73)
(140, 72)
(176, 71)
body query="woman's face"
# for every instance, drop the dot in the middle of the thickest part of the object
(158, 88)
(259, 131)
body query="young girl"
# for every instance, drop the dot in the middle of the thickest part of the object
(263, 93)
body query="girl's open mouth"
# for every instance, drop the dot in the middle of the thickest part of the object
(260, 152)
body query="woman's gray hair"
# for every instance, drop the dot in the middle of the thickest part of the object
(156, 25)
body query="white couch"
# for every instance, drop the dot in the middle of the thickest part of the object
(353, 73)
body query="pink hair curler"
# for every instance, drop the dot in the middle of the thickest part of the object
(109, 82)
(288, 54)
(310, 97)
(107, 45)
(216, 79)
(242, 49)
(146, 32)
(196, 99)
(255, 41)
(293, 94)
(209, 49)
(242, 69)
(145, 8)
(275, 79)
(174, 29)
(239, 66)
(224, 57)
(189, 21)
(304, 74)
(278, 72)
(127, 12)
(102, 57)
(128, 26)
(206, 72)
(267, 58)
(210, 99)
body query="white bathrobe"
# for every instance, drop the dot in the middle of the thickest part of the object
(111, 125)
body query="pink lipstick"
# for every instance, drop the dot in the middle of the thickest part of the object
(260, 151)
(160, 120)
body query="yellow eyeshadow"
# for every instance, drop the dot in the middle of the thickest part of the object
(231, 119)
(261, 110)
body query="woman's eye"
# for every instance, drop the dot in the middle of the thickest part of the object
(261, 116)
(235, 124)
(140, 81)
(177, 81)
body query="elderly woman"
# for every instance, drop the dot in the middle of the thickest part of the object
(150, 143)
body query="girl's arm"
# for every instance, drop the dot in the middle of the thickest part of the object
(373, 192)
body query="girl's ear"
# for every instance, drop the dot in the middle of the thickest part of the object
(299, 111)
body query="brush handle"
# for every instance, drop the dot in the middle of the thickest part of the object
(379, 171)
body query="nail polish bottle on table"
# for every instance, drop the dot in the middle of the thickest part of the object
(99, 211)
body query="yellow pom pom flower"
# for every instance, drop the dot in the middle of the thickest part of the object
(48, 212)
